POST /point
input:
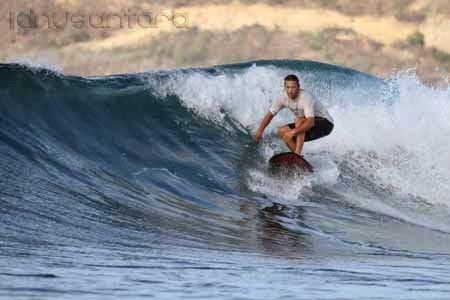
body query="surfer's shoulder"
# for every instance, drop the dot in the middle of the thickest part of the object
(277, 105)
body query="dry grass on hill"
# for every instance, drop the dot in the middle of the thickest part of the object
(357, 34)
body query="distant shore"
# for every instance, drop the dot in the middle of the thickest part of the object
(415, 36)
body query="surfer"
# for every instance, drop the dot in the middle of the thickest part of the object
(312, 120)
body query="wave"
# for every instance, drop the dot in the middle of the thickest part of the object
(171, 153)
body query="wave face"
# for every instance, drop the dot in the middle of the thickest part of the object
(158, 171)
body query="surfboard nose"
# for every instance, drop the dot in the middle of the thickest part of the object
(289, 162)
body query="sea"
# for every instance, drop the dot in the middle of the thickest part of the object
(151, 185)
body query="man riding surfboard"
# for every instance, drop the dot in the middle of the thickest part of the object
(312, 119)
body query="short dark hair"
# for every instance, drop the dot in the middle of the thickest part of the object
(291, 77)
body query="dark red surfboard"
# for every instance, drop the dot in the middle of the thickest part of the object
(288, 163)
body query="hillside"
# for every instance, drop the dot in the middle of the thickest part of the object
(372, 36)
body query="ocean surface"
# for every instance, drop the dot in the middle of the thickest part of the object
(150, 185)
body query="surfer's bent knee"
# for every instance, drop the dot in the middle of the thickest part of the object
(282, 130)
(299, 121)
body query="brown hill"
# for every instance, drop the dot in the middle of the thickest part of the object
(375, 36)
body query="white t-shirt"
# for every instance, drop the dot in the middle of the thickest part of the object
(305, 105)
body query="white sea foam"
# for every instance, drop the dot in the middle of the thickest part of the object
(398, 141)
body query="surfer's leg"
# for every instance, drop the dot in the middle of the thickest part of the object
(300, 138)
(290, 144)
(299, 141)
(282, 131)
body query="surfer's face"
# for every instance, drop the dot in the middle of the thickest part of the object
(291, 88)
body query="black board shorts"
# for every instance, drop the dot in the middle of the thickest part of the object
(322, 127)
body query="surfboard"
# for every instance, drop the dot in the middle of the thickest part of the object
(289, 163)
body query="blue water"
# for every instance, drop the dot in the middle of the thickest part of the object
(151, 185)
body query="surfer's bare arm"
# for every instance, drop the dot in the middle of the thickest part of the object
(267, 118)
(302, 125)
